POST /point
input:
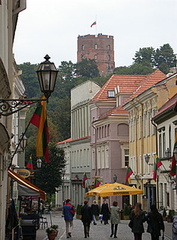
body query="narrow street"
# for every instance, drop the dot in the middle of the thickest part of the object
(99, 231)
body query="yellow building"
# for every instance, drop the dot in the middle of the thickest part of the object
(142, 108)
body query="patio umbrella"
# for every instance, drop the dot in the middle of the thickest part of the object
(113, 189)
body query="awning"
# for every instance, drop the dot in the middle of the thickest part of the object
(27, 184)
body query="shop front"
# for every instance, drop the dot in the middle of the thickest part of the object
(28, 212)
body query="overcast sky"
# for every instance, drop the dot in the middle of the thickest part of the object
(52, 27)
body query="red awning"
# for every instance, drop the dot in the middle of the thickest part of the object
(26, 183)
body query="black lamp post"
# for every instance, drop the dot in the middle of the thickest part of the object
(47, 75)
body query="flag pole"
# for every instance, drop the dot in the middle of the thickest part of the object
(20, 140)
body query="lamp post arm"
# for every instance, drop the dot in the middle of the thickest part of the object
(11, 106)
(20, 140)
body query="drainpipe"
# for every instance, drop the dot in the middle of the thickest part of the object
(95, 145)
(157, 189)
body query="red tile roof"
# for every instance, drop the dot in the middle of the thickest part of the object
(118, 111)
(170, 104)
(72, 140)
(130, 84)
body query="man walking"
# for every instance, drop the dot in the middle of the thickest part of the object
(68, 213)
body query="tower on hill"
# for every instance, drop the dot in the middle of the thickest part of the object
(99, 47)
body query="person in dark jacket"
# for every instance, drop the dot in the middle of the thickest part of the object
(137, 218)
(68, 213)
(105, 212)
(86, 218)
(95, 211)
(155, 223)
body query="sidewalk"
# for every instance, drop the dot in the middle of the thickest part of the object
(99, 231)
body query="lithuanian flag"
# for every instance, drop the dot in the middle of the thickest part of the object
(173, 161)
(29, 163)
(129, 173)
(157, 164)
(39, 119)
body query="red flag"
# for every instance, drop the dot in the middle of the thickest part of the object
(173, 167)
(39, 119)
(29, 164)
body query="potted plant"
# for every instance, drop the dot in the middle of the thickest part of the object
(170, 216)
(52, 232)
(78, 211)
(164, 214)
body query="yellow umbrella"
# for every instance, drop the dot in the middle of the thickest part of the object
(113, 189)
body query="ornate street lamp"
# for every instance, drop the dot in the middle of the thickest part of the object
(168, 153)
(147, 158)
(23, 142)
(47, 75)
(39, 163)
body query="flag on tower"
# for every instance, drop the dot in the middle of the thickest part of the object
(94, 23)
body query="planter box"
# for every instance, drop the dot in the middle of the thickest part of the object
(126, 217)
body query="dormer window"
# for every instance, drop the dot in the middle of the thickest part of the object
(111, 94)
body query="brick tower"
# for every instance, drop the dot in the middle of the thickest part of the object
(99, 47)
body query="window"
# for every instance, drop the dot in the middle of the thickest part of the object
(96, 57)
(109, 57)
(96, 46)
(126, 157)
(83, 47)
(111, 94)
(109, 47)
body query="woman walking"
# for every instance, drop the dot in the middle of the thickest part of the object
(115, 219)
(105, 212)
(155, 223)
(86, 218)
(137, 218)
(95, 211)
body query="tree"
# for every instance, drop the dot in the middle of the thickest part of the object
(30, 80)
(164, 58)
(87, 68)
(145, 56)
(135, 69)
(49, 177)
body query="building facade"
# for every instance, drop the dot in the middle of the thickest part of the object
(77, 149)
(143, 136)
(100, 48)
(9, 11)
(110, 124)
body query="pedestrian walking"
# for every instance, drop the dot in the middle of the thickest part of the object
(105, 212)
(68, 213)
(95, 211)
(86, 218)
(137, 218)
(115, 219)
(174, 228)
(155, 223)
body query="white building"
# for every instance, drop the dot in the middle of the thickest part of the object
(77, 149)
